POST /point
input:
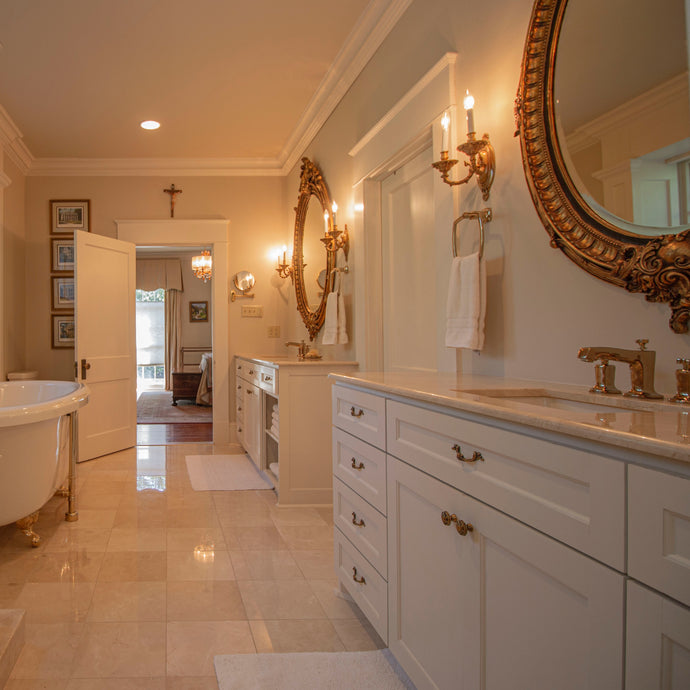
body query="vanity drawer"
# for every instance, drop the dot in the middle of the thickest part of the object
(361, 466)
(363, 583)
(659, 531)
(573, 495)
(361, 414)
(362, 524)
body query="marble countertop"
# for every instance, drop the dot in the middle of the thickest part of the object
(657, 427)
(292, 360)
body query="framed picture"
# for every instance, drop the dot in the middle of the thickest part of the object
(68, 215)
(63, 292)
(198, 311)
(63, 330)
(62, 253)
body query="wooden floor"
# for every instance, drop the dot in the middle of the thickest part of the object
(164, 434)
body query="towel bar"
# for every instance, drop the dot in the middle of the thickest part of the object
(483, 216)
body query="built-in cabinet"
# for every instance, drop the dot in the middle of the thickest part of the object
(283, 422)
(506, 550)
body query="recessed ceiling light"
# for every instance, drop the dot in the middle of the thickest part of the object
(150, 124)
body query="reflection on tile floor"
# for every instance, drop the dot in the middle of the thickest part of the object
(154, 579)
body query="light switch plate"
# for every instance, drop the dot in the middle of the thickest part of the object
(254, 310)
(273, 331)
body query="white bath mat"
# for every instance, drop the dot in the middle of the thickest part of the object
(311, 671)
(224, 473)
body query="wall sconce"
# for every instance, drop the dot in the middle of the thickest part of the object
(244, 281)
(482, 159)
(202, 266)
(284, 268)
(333, 238)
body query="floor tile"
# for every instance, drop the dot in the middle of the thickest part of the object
(187, 538)
(271, 564)
(283, 636)
(334, 604)
(204, 601)
(137, 539)
(55, 602)
(306, 538)
(315, 564)
(133, 566)
(49, 651)
(128, 601)
(192, 645)
(117, 684)
(280, 599)
(199, 564)
(358, 635)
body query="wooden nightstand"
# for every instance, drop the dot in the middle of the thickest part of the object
(185, 385)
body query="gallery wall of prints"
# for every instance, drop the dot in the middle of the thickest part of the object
(66, 217)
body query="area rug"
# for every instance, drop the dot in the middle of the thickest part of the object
(224, 473)
(155, 407)
(311, 670)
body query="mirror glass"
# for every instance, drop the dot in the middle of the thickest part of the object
(622, 110)
(244, 280)
(313, 252)
(321, 280)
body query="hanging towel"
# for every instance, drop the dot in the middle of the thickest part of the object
(335, 323)
(466, 305)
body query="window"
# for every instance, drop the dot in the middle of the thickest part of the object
(150, 314)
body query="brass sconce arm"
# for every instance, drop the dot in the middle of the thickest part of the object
(336, 239)
(482, 163)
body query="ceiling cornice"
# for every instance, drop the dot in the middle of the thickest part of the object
(368, 34)
(13, 144)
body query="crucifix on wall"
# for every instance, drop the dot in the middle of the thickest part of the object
(172, 191)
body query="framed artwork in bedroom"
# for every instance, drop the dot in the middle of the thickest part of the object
(198, 311)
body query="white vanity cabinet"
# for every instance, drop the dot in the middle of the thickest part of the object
(295, 451)
(511, 549)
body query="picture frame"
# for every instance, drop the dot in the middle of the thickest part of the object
(62, 255)
(63, 329)
(63, 292)
(198, 312)
(68, 215)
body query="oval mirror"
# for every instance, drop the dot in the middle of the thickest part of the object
(244, 280)
(321, 279)
(604, 127)
(309, 255)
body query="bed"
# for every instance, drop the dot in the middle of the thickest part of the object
(194, 385)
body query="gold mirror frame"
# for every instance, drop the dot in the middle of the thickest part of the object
(658, 267)
(311, 184)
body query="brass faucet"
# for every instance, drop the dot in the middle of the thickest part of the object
(641, 368)
(302, 348)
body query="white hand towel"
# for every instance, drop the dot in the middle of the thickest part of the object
(335, 322)
(466, 305)
(342, 321)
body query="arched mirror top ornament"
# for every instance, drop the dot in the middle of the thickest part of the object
(635, 258)
(311, 185)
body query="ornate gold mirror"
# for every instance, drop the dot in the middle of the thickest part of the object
(604, 122)
(309, 256)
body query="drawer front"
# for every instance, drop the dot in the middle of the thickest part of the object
(659, 531)
(361, 414)
(362, 524)
(259, 375)
(361, 466)
(363, 583)
(573, 495)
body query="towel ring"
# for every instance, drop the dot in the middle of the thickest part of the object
(483, 216)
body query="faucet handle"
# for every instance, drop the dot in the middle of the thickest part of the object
(642, 342)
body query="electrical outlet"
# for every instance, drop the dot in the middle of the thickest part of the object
(253, 310)
(274, 331)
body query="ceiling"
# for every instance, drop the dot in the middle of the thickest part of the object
(236, 85)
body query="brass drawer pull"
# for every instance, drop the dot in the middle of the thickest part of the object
(239, 388)
(355, 522)
(239, 409)
(359, 412)
(462, 526)
(268, 378)
(359, 580)
(250, 391)
(251, 372)
(458, 454)
(357, 467)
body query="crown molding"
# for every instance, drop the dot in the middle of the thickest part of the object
(5, 180)
(368, 34)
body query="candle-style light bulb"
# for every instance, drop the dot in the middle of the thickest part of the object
(284, 254)
(335, 208)
(445, 124)
(325, 222)
(468, 103)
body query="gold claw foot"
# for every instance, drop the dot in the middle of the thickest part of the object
(26, 525)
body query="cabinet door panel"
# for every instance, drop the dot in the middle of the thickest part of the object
(502, 607)
(658, 649)
(251, 398)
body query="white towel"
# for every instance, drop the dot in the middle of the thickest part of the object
(335, 322)
(466, 305)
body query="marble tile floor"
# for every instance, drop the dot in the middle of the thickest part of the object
(154, 579)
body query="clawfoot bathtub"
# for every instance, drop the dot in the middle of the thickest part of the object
(37, 447)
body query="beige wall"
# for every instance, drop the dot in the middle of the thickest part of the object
(541, 306)
(14, 270)
(254, 207)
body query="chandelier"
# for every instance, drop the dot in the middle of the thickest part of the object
(201, 265)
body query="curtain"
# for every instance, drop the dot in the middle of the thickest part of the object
(173, 335)
(153, 274)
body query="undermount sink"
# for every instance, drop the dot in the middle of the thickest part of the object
(574, 402)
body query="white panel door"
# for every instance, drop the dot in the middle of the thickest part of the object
(409, 267)
(105, 349)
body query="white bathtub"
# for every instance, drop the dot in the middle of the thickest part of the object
(34, 441)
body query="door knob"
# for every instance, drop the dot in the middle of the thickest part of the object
(85, 366)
